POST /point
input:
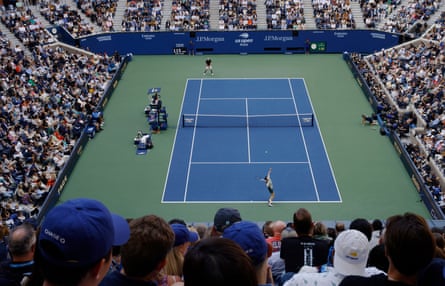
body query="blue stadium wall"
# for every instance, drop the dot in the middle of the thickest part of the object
(236, 42)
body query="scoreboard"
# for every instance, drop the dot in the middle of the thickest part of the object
(318, 47)
(180, 50)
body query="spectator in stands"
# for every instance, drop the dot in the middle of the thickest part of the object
(339, 227)
(202, 230)
(440, 245)
(304, 249)
(76, 250)
(377, 231)
(175, 258)
(21, 246)
(250, 237)
(433, 274)
(224, 218)
(144, 255)
(4, 232)
(219, 262)
(275, 240)
(377, 257)
(409, 245)
(275, 262)
(350, 256)
(321, 232)
(267, 229)
(362, 225)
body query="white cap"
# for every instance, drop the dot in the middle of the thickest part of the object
(351, 252)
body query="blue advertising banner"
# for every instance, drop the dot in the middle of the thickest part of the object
(241, 42)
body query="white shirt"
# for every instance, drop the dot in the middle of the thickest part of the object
(328, 278)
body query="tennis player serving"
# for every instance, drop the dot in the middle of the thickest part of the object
(208, 66)
(269, 186)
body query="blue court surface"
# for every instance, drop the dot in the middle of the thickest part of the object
(231, 131)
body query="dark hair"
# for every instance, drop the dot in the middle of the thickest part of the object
(151, 238)
(377, 224)
(177, 220)
(303, 221)
(377, 258)
(363, 226)
(59, 275)
(267, 229)
(219, 262)
(332, 233)
(409, 243)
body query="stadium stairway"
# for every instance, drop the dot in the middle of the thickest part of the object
(35, 9)
(261, 16)
(119, 15)
(309, 15)
(14, 41)
(214, 15)
(436, 16)
(358, 15)
(166, 12)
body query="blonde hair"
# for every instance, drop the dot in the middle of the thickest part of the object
(175, 261)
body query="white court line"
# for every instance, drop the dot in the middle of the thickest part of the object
(174, 143)
(246, 78)
(247, 130)
(261, 202)
(193, 144)
(245, 163)
(242, 98)
(322, 141)
(304, 143)
(215, 163)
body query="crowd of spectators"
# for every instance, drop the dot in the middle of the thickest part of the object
(100, 12)
(407, 15)
(333, 14)
(284, 15)
(62, 14)
(193, 15)
(375, 12)
(142, 16)
(25, 26)
(237, 15)
(408, 82)
(437, 30)
(47, 97)
(112, 250)
(189, 15)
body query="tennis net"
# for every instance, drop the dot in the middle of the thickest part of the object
(268, 120)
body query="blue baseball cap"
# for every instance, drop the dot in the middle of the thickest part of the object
(80, 232)
(194, 236)
(249, 236)
(225, 217)
(182, 234)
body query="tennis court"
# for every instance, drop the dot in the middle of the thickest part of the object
(369, 174)
(233, 130)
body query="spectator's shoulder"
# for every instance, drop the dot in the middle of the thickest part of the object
(374, 280)
(8, 278)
